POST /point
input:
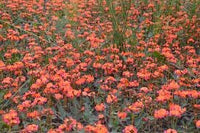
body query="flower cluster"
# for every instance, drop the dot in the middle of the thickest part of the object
(11, 118)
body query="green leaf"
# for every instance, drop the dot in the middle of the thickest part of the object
(161, 58)
(61, 111)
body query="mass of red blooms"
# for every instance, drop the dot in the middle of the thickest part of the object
(100, 66)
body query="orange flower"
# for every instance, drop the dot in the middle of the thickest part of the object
(8, 95)
(122, 115)
(97, 65)
(1, 112)
(55, 131)
(69, 62)
(136, 107)
(144, 89)
(130, 129)
(170, 131)
(197, 106)
(89, 78)
(198, 124)
(163, 96)
(2, 65)
(173, 85)
(25, 105)
(100, 129)
(100, 107)
(161, 113)
(89, 128)
(176, 110)
(100, 116)
(70, 124)
(58, 96)
(190, 40)
(39, 101)
(128, 33)
(150, 5)
(144, 74)
(80, 81)
(11, 118)
(34, 115)
(134, 83)
(111, 98)
(69, 34)
(30, 128)
(7, 80)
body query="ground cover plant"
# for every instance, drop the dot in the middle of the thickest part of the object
(100, 66)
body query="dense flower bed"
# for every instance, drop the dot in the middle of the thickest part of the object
(99, 66)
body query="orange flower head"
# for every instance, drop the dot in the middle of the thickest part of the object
(122, 115)
(11, 118)
(198, 124)
(31, 128)
(176, 110)
(101, 129)
(136, 107)
(173, 85)
(130, 129)
(170, 131)
(100, 107)
(161, 113)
